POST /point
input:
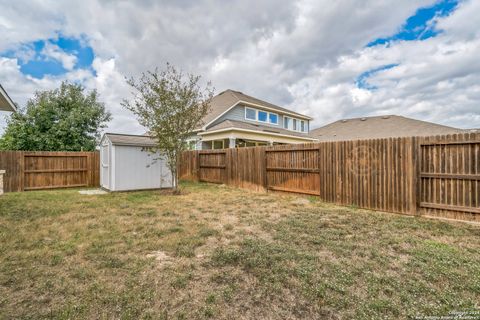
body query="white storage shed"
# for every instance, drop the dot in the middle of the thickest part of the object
(127, 162)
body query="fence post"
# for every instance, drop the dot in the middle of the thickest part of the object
(228, 160)
(197, 165)
(265, 172)
(2, 172)
(414, 187)
(21, 171)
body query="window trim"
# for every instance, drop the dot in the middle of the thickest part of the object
(298, 124)
(246, 114)
(261, 121)
(276, 114)
(266, 118)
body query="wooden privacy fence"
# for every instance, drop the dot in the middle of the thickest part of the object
(433, 176)
(27, 170)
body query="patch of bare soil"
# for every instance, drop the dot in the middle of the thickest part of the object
(161, 257)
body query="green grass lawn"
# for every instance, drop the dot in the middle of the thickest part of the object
(218, 252)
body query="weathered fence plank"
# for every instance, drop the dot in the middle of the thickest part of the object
(48, 170)
(434, 176)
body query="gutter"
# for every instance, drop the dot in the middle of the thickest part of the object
(258, 132)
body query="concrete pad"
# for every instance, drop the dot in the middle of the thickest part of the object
(93, 192)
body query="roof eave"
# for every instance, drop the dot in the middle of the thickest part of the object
(10, 106)
(259, 132)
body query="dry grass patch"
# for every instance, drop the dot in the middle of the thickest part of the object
(218, 252)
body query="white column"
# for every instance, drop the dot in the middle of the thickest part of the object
(2, 172)
(231, 142)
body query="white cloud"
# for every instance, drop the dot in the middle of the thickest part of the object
(109, 83)
(52, 51)
(303, 54)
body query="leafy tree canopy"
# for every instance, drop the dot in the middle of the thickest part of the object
(64, 119)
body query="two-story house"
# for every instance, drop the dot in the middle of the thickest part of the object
(238, 120)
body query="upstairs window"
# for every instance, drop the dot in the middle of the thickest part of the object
(286, 122)
(262, 116)
(295, 124)
(273, 118)
(250, 114)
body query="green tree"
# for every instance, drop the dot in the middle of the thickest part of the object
(64, 119)
(170, 105)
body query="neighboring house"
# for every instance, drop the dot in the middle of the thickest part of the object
(6, 104)
(389, 126)
(238, 120)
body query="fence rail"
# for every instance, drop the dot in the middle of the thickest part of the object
(27, 170)
(433, 176)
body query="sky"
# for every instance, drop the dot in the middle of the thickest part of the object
(328, 59)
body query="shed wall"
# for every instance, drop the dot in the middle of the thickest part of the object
(135, 168)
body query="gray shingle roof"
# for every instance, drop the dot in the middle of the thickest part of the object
(232, 124)
(224, 100)
(131, 140)
(379, 127)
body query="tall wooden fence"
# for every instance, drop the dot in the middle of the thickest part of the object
(433, 176)
(48, 170)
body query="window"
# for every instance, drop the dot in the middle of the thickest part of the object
(250, 114)
(295, 124)
(262, 116)
(273, 118)
(217, 144)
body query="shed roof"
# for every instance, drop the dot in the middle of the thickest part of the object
(131, 140)
(389, 126)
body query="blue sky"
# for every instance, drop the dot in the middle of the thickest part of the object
(331, 61)
(420, 26)
(36, 61)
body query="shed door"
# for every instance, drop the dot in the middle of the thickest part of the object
(104, 165)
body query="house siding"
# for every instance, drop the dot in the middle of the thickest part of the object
(238, 113)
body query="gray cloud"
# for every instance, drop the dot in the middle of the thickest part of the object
(303, 54)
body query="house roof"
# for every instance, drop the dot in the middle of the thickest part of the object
(130, 140)
(233, 124)
(389, 126)
(6, 104)
(227, 99)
